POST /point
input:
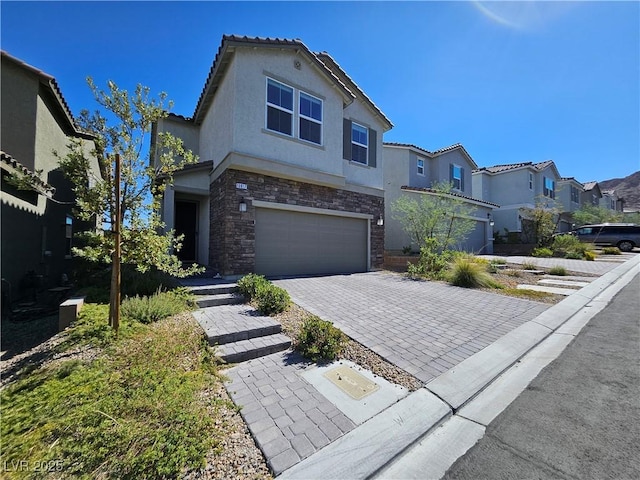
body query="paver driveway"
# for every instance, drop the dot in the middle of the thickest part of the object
(425, 328)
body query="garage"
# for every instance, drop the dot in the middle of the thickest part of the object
(301, 243)
(477, 238)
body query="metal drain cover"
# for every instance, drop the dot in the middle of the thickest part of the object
(351, 382)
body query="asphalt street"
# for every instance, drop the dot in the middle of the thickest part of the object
(580, 418)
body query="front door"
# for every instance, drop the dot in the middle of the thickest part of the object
(186, 223)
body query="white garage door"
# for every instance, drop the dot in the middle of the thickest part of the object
(295, 243)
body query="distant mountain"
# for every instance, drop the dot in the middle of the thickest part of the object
(627, 188)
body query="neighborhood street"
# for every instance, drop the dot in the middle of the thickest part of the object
(581, 417)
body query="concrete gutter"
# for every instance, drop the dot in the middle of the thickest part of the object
(423, 434)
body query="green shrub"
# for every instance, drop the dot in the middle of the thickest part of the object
(514, 273)
(465, 272)
(558, 270)
(406, 250)
(158, 306)
(499, 261)
(611, 251)
(529, 266)
(589, 255)
(542, 252)
(271, 299)
(250, 284)
(319, 340)
(432, 264)
(573, 256)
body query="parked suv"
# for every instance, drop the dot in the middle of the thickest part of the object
(625, 236)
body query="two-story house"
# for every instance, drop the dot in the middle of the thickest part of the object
(591, 194)
(611, 201)
(516, 188)
(412, 171)
(290, 178)
(569, 196)
(37, 222)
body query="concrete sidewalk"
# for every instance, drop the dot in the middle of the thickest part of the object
(423, 434)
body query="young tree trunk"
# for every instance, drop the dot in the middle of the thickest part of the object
(114, 294)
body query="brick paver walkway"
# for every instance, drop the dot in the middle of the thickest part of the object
(425, 328)
(288, 418)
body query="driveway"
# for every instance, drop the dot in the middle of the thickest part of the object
(425, 328)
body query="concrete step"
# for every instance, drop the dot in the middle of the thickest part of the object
(542, 288)
(232, 323)
(563, 283)
(214, 289)
(244, 350)
(204, 301)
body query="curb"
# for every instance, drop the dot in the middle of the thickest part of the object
(423, 434)
(434, 454)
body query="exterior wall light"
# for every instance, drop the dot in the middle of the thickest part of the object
(380, 221)
(243, 205)
(491, 222)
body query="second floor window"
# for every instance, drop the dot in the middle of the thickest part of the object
(530, 181)
(549, 188)
(359, 143)
(575, 195)
(420, 166)
(456, 174)
(279, 107)
(310, 118)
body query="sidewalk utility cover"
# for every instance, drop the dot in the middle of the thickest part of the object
(351, 382)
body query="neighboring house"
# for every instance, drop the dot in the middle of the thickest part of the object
(37, 224)
(611, 201)
(290, 178)
(412, 171)
(591, 194)
(516, 187)
(569, 196)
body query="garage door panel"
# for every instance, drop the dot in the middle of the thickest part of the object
(296, 243)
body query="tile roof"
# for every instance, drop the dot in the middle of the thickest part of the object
(512, 166)
(51, 82)
(39, 184)
(222, 60)
(455, 146)
(329, 61)
(589, 185)
(453, 194)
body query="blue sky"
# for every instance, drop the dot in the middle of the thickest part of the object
(511, 81)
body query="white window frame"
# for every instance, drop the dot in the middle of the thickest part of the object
(453, 176)
(420, 167)
(311, 119)
(278, 107)
(366, 146)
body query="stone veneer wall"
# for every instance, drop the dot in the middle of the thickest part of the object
(232, 233)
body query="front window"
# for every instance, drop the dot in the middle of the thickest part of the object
(613, 204)
(68, 233)
(549, 188)
(310, 118)
(456, 176)
(359, 143)
(420, 166)
(279, 107)
(575, 195)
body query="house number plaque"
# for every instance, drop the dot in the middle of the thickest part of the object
(241, 186)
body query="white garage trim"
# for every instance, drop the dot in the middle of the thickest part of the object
(303, 209)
